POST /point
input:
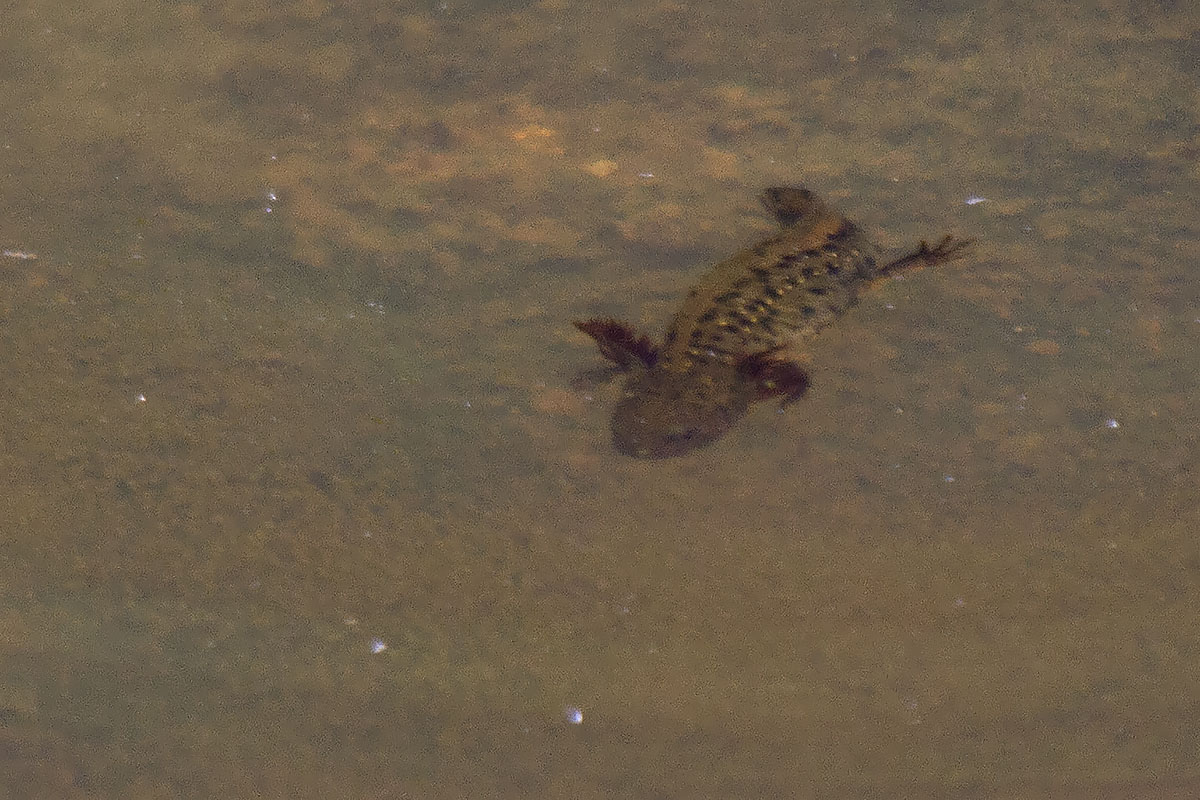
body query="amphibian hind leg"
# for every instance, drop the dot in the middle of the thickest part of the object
(948, 249)
(774, 376)
(619, 342)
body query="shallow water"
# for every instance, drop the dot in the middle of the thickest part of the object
(309, 484)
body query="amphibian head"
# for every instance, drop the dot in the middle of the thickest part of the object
(669, 412)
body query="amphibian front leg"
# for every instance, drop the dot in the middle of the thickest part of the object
(619, 342)
(774, 376)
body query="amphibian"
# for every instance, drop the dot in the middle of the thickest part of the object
(728, 345)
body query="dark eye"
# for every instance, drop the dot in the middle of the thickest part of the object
(685, 435)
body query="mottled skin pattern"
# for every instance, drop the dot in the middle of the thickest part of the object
(724, 350)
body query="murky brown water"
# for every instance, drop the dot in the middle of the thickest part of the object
(308, 486)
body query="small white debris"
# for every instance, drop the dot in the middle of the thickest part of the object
(378, 646)
(1111, 423)
(645, 174)
(24, 255)
(141, 398)
(948, 478)
(975, 200)
(574, 715)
